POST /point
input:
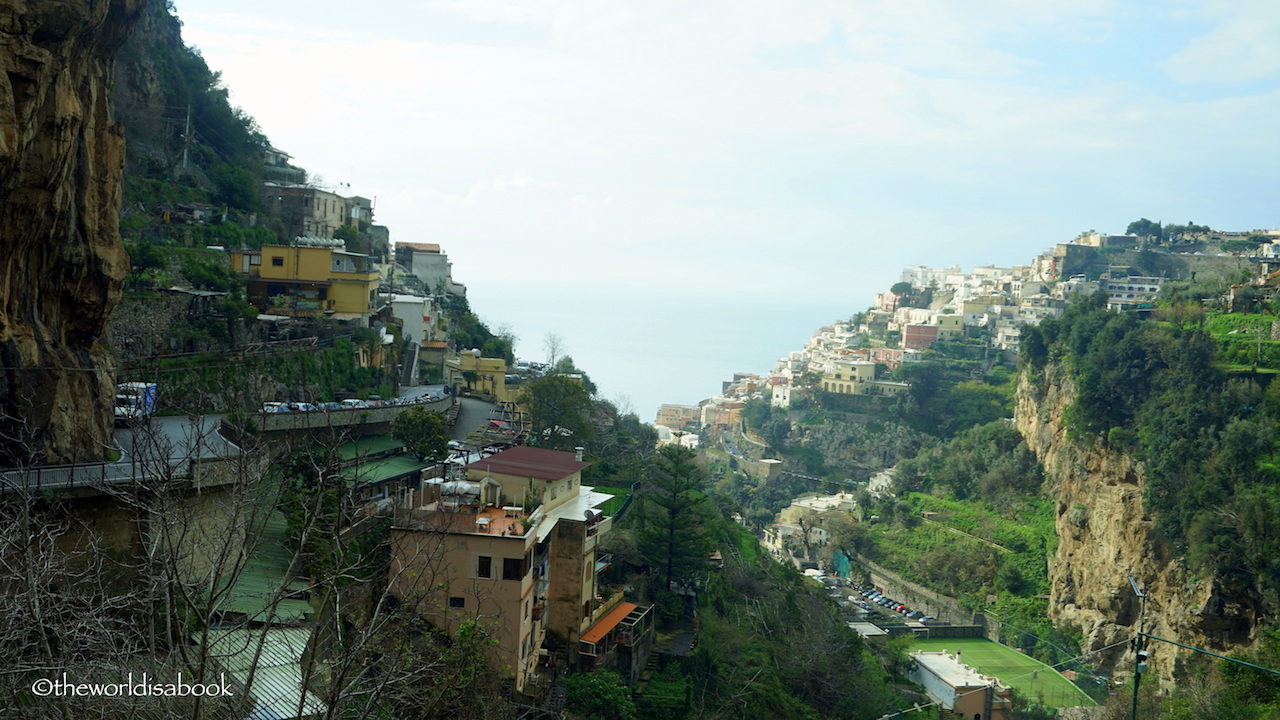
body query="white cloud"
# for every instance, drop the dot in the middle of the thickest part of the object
(576, 158)
(1242, 47)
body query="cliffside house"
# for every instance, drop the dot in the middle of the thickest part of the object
(511, 549)
(312, 277)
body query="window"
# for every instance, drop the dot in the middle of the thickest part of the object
(277, 262)
(457, 602)
(255, 259)
(484, 566)
(512, 568)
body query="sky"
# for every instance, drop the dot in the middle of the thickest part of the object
(681, 191)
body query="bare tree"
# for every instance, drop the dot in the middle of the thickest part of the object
(553, 344)
(160, 570)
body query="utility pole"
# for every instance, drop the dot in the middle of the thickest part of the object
(1139, 655)
(186, 137)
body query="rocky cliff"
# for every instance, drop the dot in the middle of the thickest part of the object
(61, 261)
(1104, 536)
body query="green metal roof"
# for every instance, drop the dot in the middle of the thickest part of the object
(366, 446)
(384, 468)
(272, 657)
(266, 579)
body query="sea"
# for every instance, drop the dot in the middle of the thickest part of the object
(643, 350)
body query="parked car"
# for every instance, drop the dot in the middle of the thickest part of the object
(275, 407)
(353, 403)
(302, 407)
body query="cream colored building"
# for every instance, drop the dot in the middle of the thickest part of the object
(858, 377)
(677, 416)
(512, 550)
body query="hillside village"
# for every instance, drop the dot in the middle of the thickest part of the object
(271, 451)
(986, 308)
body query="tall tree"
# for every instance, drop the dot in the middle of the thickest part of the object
(674, 537)
(561, 408)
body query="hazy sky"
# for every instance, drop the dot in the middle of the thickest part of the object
(620, 171)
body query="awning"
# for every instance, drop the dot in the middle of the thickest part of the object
(608, 622)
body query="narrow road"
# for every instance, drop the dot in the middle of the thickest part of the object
(472, 415)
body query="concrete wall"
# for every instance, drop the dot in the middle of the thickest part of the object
(931, 603)
(571, 571)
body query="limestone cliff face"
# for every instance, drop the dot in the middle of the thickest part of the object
(1104, 536)
(61, 261)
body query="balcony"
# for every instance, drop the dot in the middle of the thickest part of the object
(623, 624)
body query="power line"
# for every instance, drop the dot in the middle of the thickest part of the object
(1212, 654)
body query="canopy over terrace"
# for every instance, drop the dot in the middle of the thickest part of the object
(620, 625)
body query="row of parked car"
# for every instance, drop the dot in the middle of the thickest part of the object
(874, 596)
(372, 401)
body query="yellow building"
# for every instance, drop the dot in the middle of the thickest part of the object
(490, 374)
(309, 280)
(512, 549)
(858, 377)
(950, 326)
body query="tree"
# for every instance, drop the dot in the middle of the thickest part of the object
(1238, 245)
(424, 432)
(554, 345)
(600, 694)
(347, 233)
(900, 288)
(1147, 229)
(674, 537)
(209, 274)
(561, 408)
(143, 258)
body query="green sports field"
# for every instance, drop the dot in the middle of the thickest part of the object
(1030, 677)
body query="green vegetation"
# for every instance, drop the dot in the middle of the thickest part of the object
(773, 646)
(601, 695)
(213, 382)
(1161, 234)
(674, 538)
(561, 408)
(470, 332)
(424, 432)
(1211, 689)
(1157, 391)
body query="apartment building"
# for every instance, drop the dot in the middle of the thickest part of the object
(306, 210)
(311, 276)
(431, 265)
(511, 550)
(677, 416)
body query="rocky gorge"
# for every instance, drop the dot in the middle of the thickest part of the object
(1105, 536)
